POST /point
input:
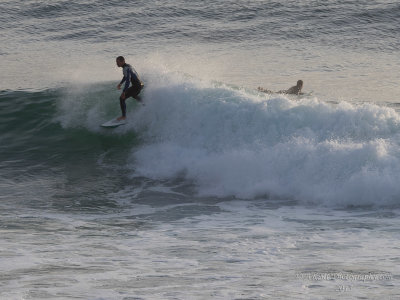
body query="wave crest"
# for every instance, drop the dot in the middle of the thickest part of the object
(234, 142)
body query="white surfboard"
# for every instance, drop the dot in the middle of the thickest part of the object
(113, 123)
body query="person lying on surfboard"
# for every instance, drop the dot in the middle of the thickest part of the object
(131, 77)
(294, 90)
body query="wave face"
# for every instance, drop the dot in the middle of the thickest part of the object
(225, 140)
(55, 127)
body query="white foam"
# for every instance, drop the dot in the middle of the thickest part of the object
(236, 142)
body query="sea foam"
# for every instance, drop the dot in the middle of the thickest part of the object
(236, 142)
(232, 141)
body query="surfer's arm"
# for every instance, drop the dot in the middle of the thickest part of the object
(121, 82)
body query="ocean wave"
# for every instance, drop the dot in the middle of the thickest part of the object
(228, 141)
(234, 142)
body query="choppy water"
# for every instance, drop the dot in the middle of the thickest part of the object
(212, 190)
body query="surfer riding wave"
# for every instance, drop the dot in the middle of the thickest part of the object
(131, 77)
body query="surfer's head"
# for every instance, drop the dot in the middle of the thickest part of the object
(299, 84)
(120, 61)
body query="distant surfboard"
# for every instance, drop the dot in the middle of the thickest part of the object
(113, 123)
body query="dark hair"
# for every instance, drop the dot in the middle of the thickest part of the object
(299, 82)
(120, 58)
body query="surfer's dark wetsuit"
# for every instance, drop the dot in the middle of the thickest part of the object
(130, 77)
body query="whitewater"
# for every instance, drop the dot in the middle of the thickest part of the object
(231, 141)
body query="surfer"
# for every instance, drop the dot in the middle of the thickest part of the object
(294, 90)
(131, 77)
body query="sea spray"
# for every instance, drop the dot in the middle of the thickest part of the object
(231, 142)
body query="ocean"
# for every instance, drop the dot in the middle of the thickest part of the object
(212, 190)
